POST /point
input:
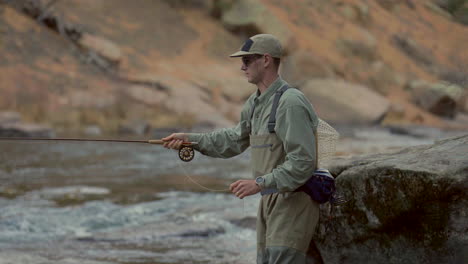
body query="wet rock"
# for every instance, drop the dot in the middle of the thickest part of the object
(203, 233)
(246, 222)
(343, 102)
(408, 207)
(25, 130)
(415, 131)
(438, 98)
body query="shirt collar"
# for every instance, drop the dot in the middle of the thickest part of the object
(263, 97)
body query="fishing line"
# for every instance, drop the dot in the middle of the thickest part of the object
(243, 201)
(198, 184)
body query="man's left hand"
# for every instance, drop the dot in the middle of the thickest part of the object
(243, 188)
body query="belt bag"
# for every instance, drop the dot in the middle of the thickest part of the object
(320, 187)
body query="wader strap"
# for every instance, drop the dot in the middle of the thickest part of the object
(316, 148)
(251, 115)
(252, 112)
(272, 120)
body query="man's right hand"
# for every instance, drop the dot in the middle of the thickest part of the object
(175, 140)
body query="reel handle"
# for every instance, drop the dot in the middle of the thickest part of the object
(186, 152)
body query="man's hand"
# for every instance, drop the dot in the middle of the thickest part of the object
(175, 140)
(243, 188)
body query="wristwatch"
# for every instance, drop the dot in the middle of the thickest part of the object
(260, 181)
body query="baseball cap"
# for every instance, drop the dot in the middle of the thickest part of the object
(260, 44)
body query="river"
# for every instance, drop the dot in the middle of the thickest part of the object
(96, 203)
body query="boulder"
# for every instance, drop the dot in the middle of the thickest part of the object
(433, 7)
(410, 206)
(461, 14)
(26, 130)
(382, 78)
(342, 102)
(303, 65)
(103, 47)
(362, 45)
(438, 98)
(145, 94)
(464, 101)
(458, 9)
(251, 17)
(183, 98)
(355, 12)
(9, 117)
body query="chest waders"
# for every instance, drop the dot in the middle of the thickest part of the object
(286, 220)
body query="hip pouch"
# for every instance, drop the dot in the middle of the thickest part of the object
(320, 187)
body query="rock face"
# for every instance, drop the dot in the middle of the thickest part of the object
(406, 207)
(170, 58)
(343, 102)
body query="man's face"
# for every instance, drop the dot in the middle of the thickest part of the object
(252, 68)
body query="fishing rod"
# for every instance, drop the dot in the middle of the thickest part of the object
(186, 152)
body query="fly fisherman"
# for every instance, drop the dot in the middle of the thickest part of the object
(283, 157)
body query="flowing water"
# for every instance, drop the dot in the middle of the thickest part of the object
(120, 203)
(94, 203)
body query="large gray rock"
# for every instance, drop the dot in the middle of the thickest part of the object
(406, 207)
(303, 65)
(26, 130)
(9, 117)
(179, 97)
(438, 98)
(11, 125)
(343, 102)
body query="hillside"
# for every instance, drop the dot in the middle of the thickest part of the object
(119, 64)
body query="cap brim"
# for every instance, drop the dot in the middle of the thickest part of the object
(241, 53)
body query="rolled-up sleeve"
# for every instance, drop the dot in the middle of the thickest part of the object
(295, 127)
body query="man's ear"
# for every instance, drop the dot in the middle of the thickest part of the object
(268, 60)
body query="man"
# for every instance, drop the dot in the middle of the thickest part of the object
(282, 161)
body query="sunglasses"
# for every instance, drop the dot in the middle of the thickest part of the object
(247, 60)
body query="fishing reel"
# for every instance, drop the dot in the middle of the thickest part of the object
(186, 153)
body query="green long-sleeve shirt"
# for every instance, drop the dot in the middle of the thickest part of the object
(296, 122)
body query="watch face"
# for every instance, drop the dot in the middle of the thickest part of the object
(259, 180)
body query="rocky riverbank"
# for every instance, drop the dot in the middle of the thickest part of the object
(408, 207)
(11, 125)
(164, 63)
